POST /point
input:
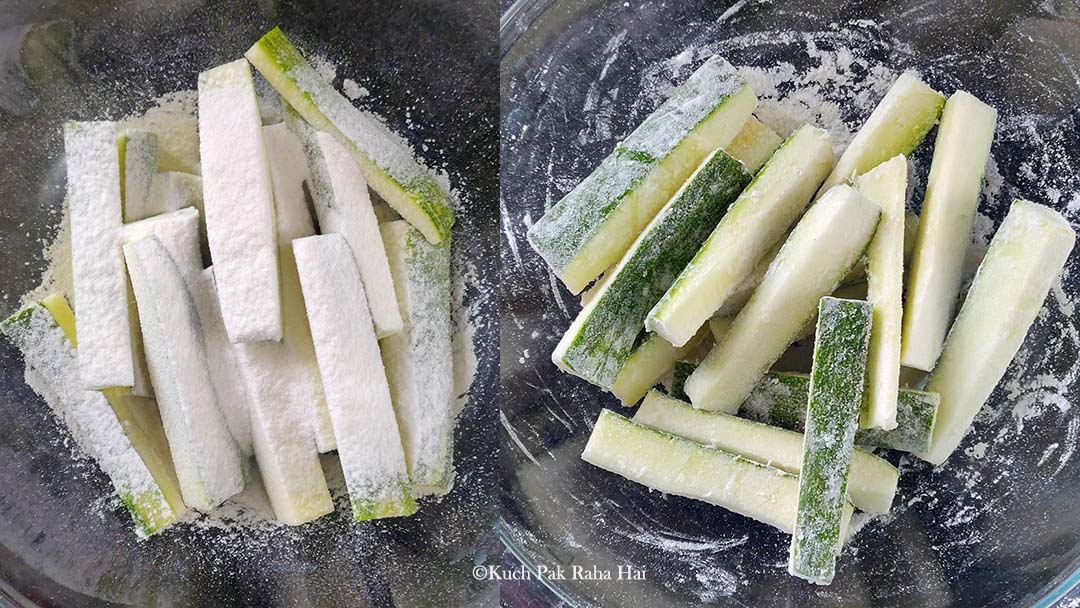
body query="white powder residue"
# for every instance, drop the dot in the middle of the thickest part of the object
(177, 230)
(57, 277)
(714, 580)
(238, 203)
(387, 149)
(209, 463)
(221, 356)
(977, 451)
(466, 323)
(345, 208)
(106, 354)
(326, 68)
(419, 359)
(53, 367)
(172, 119)
(288, 173)
(353, 90)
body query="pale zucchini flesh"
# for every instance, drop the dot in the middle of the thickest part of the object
(832, 416)
(756, 221)
(591, 228)
(388, 164)
(857, 274)
(648, 363)
(754, 144)
(871, 483)
(742, 292)
(821, 250)
(1025, 257)
(886, 185)
(948, 215)
(603, 335)
(911, 230)
(896, 126)
(780, 398)
(596, 287)
(288, 463)
(674, 465)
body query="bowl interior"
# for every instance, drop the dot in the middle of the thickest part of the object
(63, 541)
(995, 526)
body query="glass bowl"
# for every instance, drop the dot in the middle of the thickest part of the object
(63, 541)
(998, 524)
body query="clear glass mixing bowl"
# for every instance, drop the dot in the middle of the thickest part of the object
(62, 542)
(999, 524)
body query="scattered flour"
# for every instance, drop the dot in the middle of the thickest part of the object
(53, 371)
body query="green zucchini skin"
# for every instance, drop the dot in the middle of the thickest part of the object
(780, 400)
(832, 416)
(757, 221)
(591, 227)
(603, 336)
(389, 166)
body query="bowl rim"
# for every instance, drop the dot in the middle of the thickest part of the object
(518, 19)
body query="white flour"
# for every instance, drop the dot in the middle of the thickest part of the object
(95, 212)
(345, 208)
(353, 90)
(354, 380)
(87, 414)
(419, 359)
(238, 204)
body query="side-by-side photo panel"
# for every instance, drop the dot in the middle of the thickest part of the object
(788, 304)
(250, 258)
